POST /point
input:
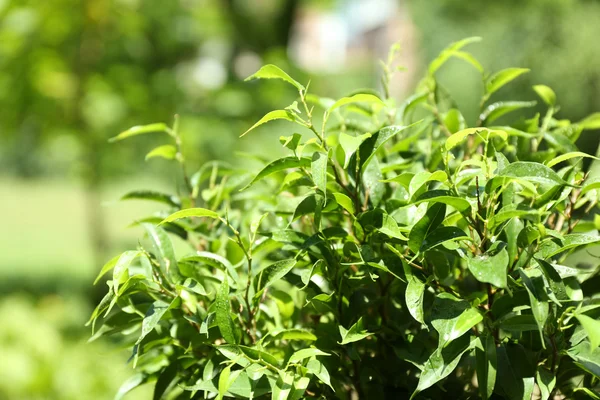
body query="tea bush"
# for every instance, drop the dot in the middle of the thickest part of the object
(395, 252)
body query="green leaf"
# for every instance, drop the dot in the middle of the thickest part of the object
(163, 249)
(422, 178)
(317, 368)
(532, 172)
(441, 235)
(166, 151)
(224, 382)
(452, 318)
(107, 267)
(345, 202)
(449, 52)
(586, 357)
(357, 98)
(546, 381)
(519, 323)
(354, 334)
(485, 133)
(274, 272)
(592, 328)
(442, 362)
(513, 381)
(568, 156)
(164, 198)
(273, 115)
(121, 267)
(369, 147)
(497, 110)
(549, 248)
(487, 364)
(318, 170)
(389, 227)
(590, 122)
(556, 283)
(414, 295)
(537, 299)
(223, 313)
(303, 354)
(279, 165)
(130, 384)
(492, 266)
(190, 212)
(294, 334)
(141, 129)
(446, 197)
(271, 71)
(155, 313)
(432, 219)
(350, 144)
(546, 94)
(503, 77)
(214, 260)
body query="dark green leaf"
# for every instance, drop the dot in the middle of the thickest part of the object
(432, 219)
(164, 198)
(274, 272)
(452, 318)
(163, 249)
(441, 235)
(446, 197)
(487, 364)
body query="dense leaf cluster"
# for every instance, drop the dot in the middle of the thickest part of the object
(394, 252)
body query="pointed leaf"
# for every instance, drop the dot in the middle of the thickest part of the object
(503, 77)
(167, 199)
(271, 71)
(279, 165)
(487, 364)
(357, 98)
(441, 235)
(432, 219)
(354, 334)
(592, 328)
(163, 249)
(452, 318)
(492, 266)
(166, 151)
(497, 110)
(190, 212)
(139, 130)
(274, 272)
(318, 169)
(155, 313)
(568, 156)
(223, 314)
(273, 115)
(546, 94)
(459, 136)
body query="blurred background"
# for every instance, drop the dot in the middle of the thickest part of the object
(75, 72)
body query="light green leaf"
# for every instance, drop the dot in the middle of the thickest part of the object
(345, 202)
(350, 144)
(546, 381)
(414, 294)
(274, 272)
(122, 266)
(273, 115)
(549, 248)
(164, 198)
(107, 267)
(459, 136)
(155, 313)
(223, 314)
(590, 122)
(487, 365)
(214, 260)
(354, 334)
(424, 177)
(503, 77)
(537, 300)
(317, 368)
(318, 169)
(452, 318)
(497, 110)
(592, 328)
(546, 94)
(568, 156)
(167, 152)
(224, 382)
(190, 212)
(389, 227)
(303, 354)
(449, 52)
(279, 165)
(271, 71)
(163, 249)
(532, 172)
(357, 98)
(141, 129)
(492, 266)
(432, 219)
(446, 197)
(294, 334)
(130, 384)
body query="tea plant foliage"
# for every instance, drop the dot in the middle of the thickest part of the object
(394, 252)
